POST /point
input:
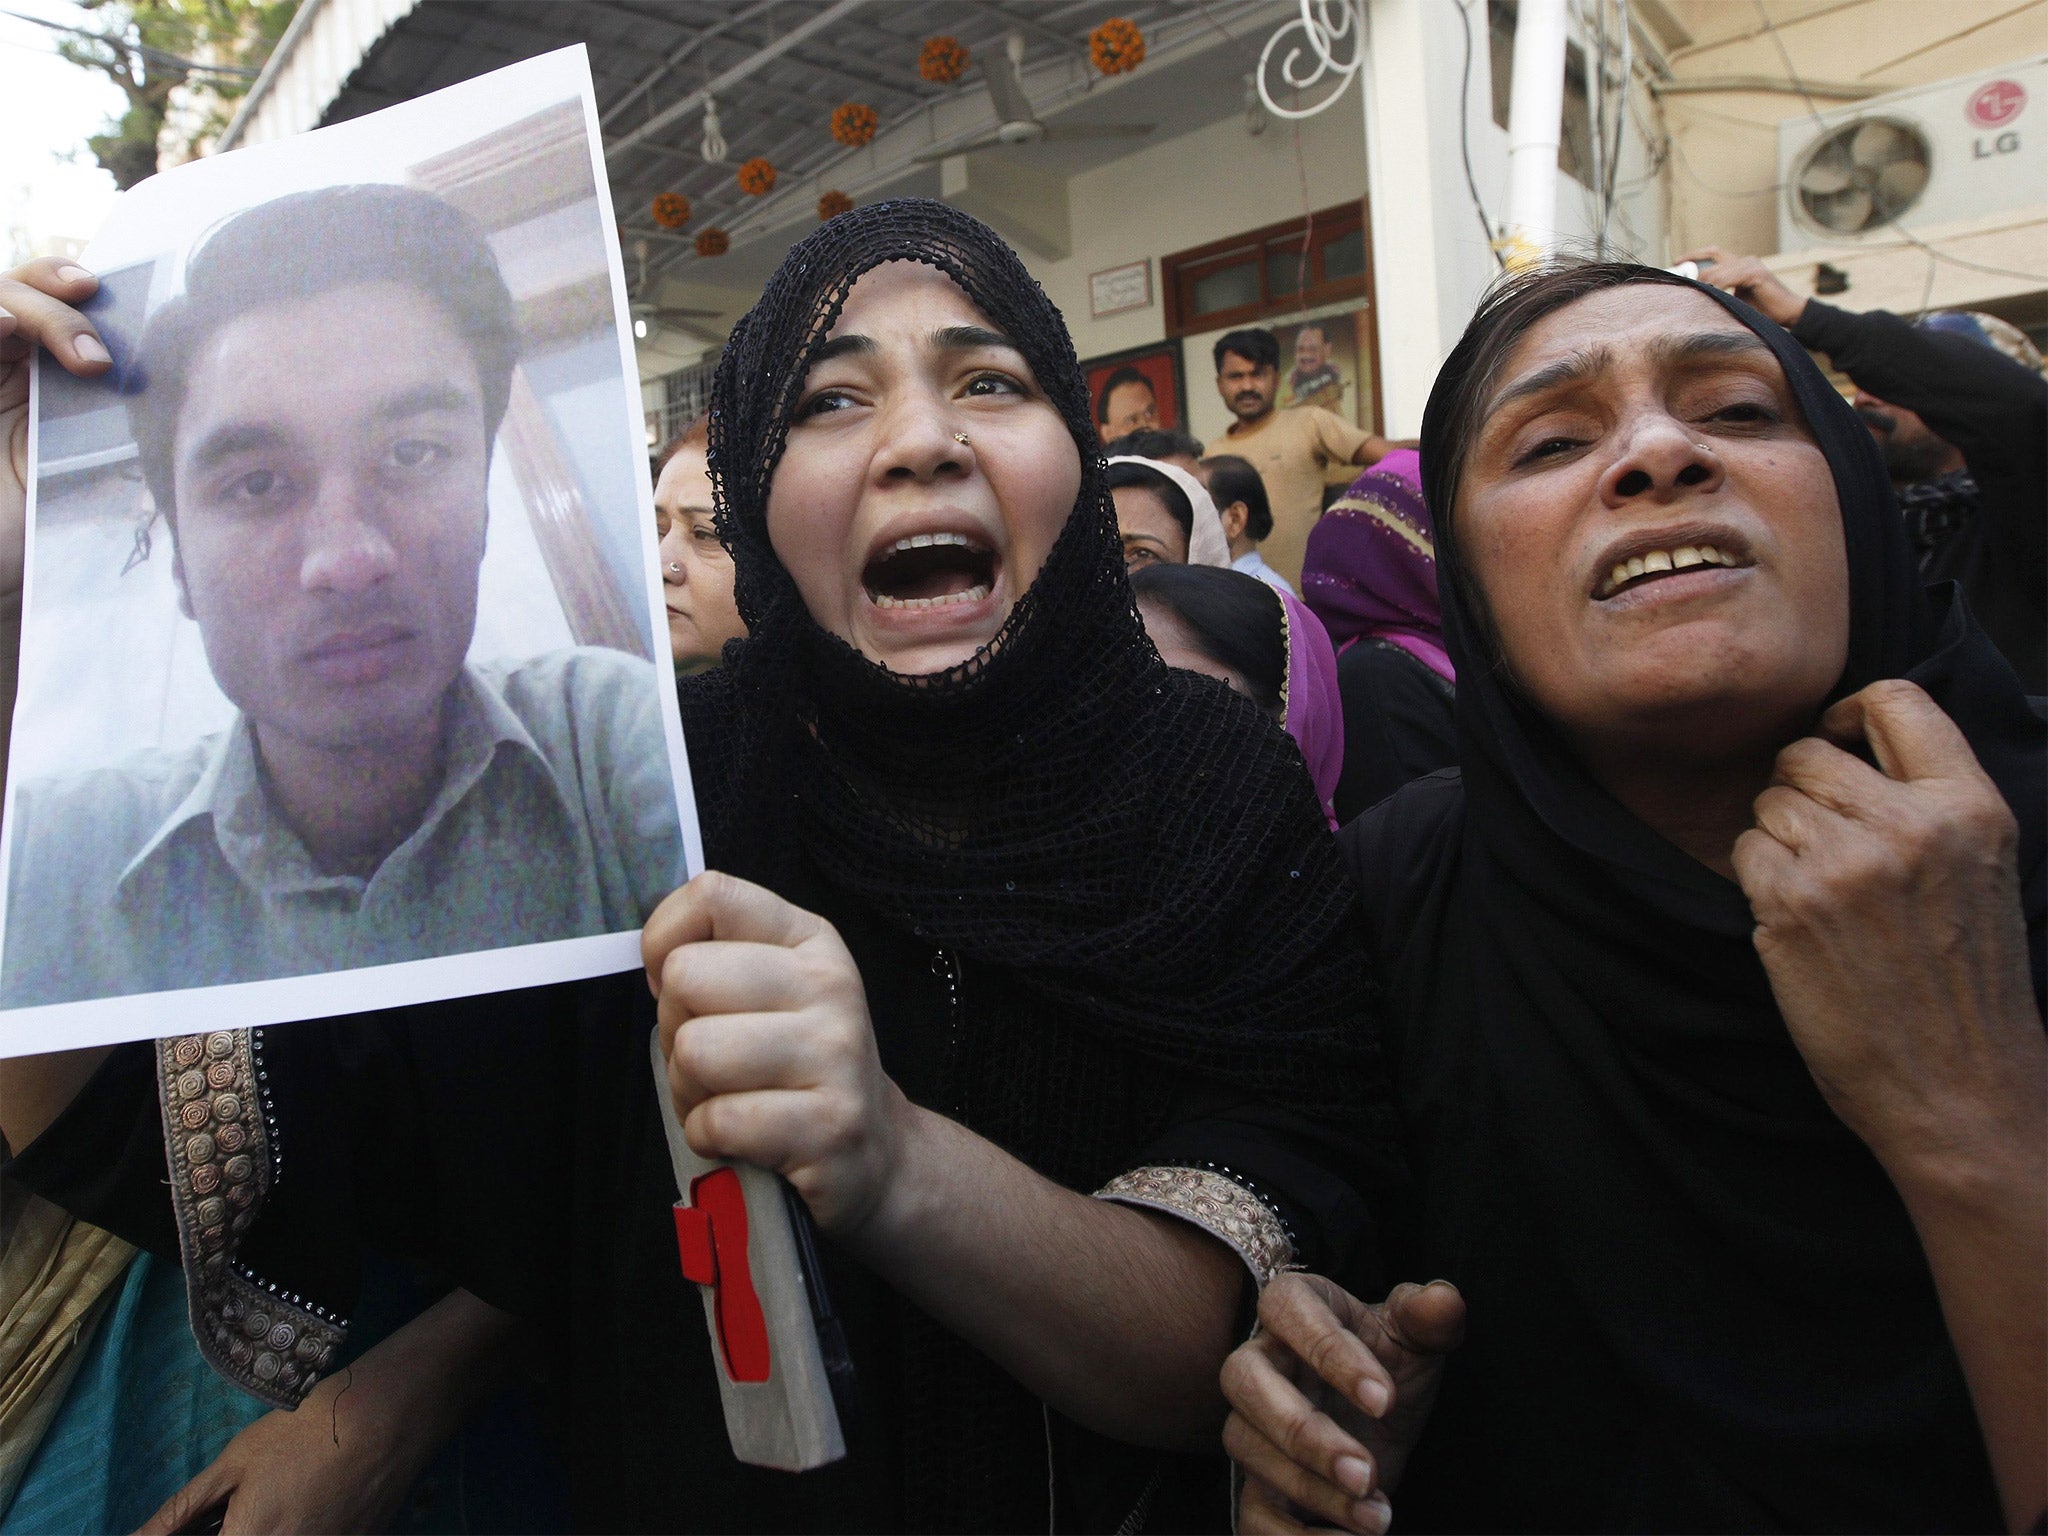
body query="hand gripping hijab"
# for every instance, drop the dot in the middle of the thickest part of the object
(1142, 853)
(1736, 1248)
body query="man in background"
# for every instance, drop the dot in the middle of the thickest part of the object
(1241, 503)
(1292, 450)
(1127, 404)
(1963, 427)
(1315, 380)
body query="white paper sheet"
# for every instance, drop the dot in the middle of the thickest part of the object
(127, 909)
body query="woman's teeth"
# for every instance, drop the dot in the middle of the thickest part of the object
(1660, 560)
(973, 594)
(931, 570)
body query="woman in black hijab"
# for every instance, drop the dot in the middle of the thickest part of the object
(1008, 913)
(1713, 983)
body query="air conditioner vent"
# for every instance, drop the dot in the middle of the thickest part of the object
(1862, 175)
(1932, 157)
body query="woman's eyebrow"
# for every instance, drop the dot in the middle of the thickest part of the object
(1566, 370)
(850, 345)
(969, 338)
(1699, 345)
(1693, 346)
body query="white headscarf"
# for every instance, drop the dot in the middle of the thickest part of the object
(1206, 543)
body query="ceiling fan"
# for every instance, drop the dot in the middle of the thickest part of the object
(1016, 122)
(649, 317)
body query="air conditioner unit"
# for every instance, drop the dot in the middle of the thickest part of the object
(1936, 154)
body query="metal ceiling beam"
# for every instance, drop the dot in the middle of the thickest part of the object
(731, 77)
(864, 82)
(679, 55)
(1178, 36)
(1010, 22)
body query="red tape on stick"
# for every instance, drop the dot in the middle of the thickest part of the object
(693, 1242)
(711, 1238)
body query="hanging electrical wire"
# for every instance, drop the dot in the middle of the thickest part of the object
(1465, 141)
(141, 50)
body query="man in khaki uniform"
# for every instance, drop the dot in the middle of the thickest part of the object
(1293, 450)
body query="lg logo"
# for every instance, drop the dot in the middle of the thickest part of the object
(1993, 107)
(1998, 104)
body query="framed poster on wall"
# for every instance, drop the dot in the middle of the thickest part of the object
(1319, 365)
(1141, 387)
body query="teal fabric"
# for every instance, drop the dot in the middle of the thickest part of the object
(145, 1414)
(143, 1417)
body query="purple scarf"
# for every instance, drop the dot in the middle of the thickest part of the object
(1371, 565)
(1313, 709)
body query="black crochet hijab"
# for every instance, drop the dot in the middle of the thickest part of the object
(1138, 847)
(1737, 1250)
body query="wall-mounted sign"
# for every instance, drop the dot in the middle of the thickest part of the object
(1120, 289)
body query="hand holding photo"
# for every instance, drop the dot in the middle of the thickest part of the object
(363, 507)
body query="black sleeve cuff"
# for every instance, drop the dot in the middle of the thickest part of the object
(102, 1159)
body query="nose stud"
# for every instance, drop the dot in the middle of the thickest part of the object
(960, 438)
(675, 568)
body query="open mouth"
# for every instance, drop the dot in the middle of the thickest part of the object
(931, 570)
(1656, 564)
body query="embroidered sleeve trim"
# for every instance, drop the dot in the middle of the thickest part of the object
(270, 1343)
(1220, 1205)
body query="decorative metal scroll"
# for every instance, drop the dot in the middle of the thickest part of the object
(1332, 40)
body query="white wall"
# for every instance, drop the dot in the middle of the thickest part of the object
(1431, 258)
(1206, 185)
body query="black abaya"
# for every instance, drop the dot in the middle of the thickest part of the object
(1696, 1301)
(1099, 920)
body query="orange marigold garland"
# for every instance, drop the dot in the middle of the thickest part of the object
(671, 210)
(832, 204)
(854, 124)
(942, 60)
(1117, 47)
(713, 241)
(756, 177)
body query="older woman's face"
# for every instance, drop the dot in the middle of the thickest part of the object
(696, 570)
(1655, 532)
(1151, 533)
(926, 478)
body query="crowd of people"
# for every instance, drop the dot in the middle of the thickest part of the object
(1511, 1003)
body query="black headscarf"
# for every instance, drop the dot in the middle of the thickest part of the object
(1137, 847)
(1738, 1251)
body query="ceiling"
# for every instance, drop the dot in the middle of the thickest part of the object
(652, 59)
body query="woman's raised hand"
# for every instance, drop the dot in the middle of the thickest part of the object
(1888, 916)
(771, 1056)
(36, 309)
(1750, 281)
(1329, 1397)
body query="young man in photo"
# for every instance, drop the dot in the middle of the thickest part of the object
(315, 416)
